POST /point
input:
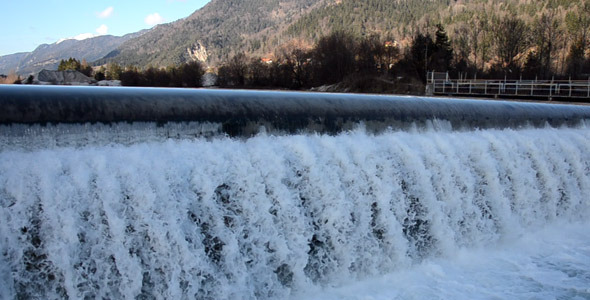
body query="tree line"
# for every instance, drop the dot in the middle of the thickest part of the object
(185, 75)
(513, 49)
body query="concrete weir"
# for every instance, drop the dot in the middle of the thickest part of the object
(244, 113)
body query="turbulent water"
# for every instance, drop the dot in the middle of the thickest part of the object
(404, 214)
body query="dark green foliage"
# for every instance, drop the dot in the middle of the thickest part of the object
(186, 75)
(532, 66)
(70, 64)
(420, 56)
(363, 17)
(443, 52)
(99, 76)
(75, 65)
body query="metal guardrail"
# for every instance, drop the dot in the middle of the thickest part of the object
(577, 89)
(549, 89)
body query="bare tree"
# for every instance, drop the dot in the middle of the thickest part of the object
(509, 34)
(545, 36)
(391, 53)
(333, 57)
(296, 56)
(234, 72)
(578, 24)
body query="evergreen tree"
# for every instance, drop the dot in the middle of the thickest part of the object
(532, 67)
(443, 52)
(420, 55)
(70, 64)
(113, 71)
(99, 76)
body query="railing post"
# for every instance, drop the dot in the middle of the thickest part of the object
(551, 87)
(444, 83)
(485, 87)
(516, 91)
(532, 85)
(470, 81)
(570, 94)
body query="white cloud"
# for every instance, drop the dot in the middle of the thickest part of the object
(105, 13)
(102, 29)
(154, 19)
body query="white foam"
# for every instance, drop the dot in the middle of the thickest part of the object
(442, 214)
(551, 263)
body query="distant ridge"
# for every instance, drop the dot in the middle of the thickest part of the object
(48, 56)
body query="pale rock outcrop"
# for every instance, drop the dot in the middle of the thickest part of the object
(198, 52)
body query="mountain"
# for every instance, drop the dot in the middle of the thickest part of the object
(48, 56)
(11, 62)
(223, 28)
(219, 29)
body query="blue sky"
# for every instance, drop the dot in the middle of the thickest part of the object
(28, 24)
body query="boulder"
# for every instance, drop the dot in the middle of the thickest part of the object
(68, 77)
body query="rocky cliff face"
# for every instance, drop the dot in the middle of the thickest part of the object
(198, 52)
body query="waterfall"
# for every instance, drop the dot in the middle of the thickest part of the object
(268, 216)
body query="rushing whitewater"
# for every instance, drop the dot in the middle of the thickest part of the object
(271, 217)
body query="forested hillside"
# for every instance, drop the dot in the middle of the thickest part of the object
(389, 46)
(512, 34)
(548, 30)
